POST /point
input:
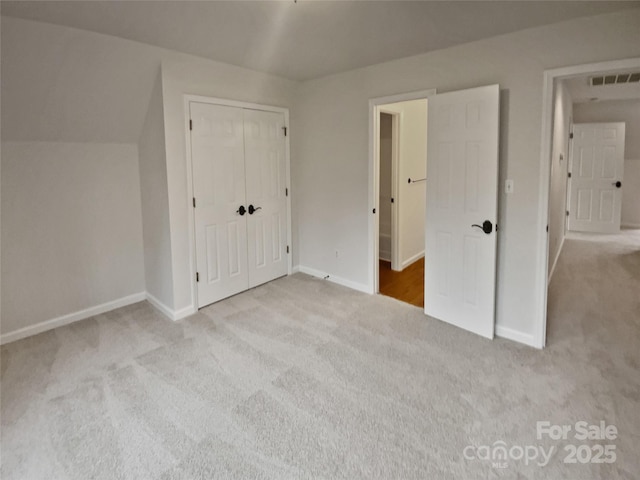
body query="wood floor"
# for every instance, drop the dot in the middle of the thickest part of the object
(406, 286)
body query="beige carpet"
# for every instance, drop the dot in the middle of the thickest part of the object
(303, 379)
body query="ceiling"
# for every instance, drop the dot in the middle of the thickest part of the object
(307, 39)
(582, 91)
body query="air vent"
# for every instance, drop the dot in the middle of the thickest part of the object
(615, 79)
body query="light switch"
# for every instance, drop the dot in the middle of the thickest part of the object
(508, 186)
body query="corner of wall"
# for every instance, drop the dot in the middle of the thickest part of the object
(154, 194)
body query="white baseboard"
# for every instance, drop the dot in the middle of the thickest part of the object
(630, 225)
(413, 259)
(184, 312)
(555, 261)
(165, 310)
(516, 336)
(295, 269)
(169, 312)
(340, 281)
(71, 318)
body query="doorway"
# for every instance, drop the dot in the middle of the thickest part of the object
(460, 230)
(402, 199)
(579, 100)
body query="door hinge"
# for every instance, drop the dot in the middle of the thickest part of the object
(569, 174)
(547, 228)
(287, 248)
(286, 192)
(190, 124)
(571, 135)
(567, 213)
(392, 200)
(374, 211)
(285, 131)
(197, 277)
(194, 202)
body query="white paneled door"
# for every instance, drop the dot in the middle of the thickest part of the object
(266, 201)
(462, 183)
(217, 152)
(239, 181)
(595, 187)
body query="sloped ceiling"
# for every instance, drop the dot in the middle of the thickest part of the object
(61, 84)
(306, 39)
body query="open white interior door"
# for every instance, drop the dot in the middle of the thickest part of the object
(462, 200)
(595, 193)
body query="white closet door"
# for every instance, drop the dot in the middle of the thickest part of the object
(217, 149)
(264, 143)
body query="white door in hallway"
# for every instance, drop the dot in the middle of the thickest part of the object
(462, 193)
(217, 153)
(264, 143)
(595, 187)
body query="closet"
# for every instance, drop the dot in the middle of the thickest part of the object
(240, 206)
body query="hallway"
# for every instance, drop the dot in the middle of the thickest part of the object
(595, 292)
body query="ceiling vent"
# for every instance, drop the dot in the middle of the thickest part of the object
(614, 79)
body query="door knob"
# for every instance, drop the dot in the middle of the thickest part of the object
(253, 209)
(241, 210)
(487, 226)
(617, 184)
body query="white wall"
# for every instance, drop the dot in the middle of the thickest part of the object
(155, 202)
(71, 229)
(562, 117)
(67, 85)
(331, 153)
(412, 197)
(183, 74)
(627, 111)
(386, 189)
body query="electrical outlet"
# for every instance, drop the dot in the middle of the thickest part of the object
(508, 186)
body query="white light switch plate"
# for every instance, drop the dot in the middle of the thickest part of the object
(508, 186)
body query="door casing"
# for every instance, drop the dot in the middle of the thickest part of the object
(395, 190)
(191, 227)
(375, 104)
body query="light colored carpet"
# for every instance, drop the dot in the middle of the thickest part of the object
(303, 379)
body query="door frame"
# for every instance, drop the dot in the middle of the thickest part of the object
(187, 98)
(396, 123)
(549, 80)
(373, 286)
